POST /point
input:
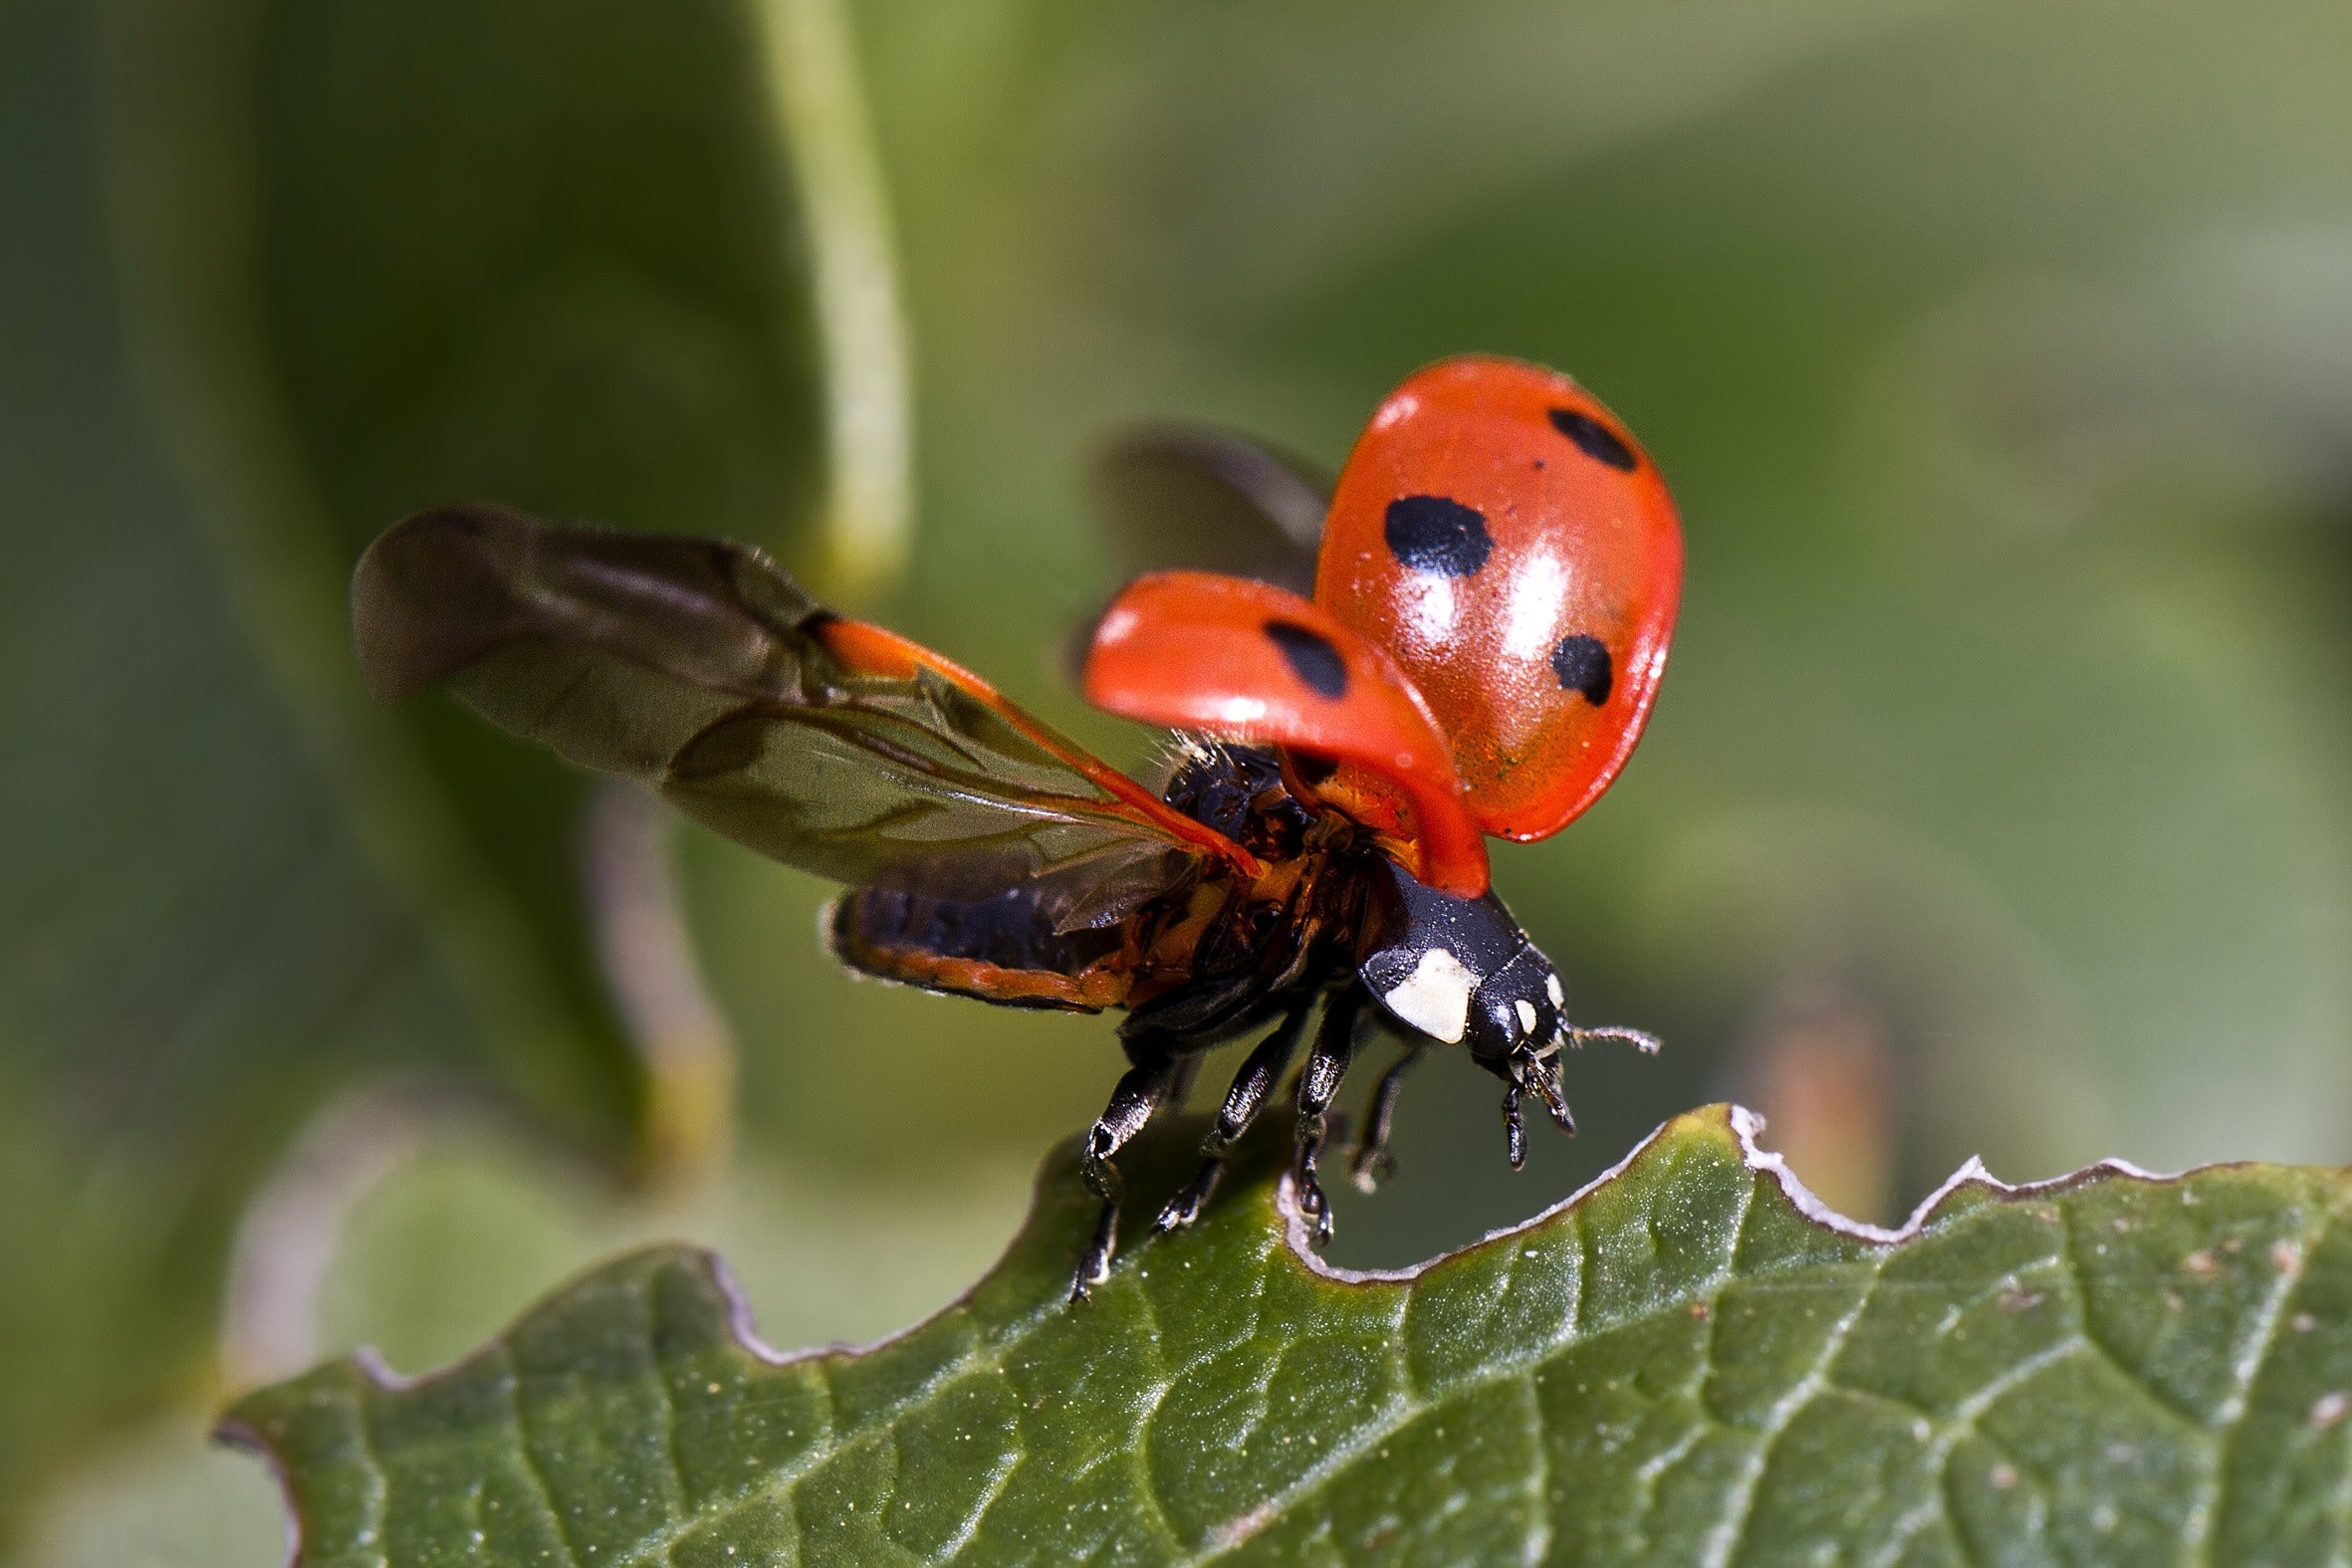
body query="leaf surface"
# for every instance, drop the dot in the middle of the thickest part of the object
(1689, 1362)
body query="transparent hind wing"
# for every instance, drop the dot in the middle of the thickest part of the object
(701, 669)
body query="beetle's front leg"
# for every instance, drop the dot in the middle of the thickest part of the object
(1525, 1072)
(1318, 1082)
(1252, 1086)
(1372, 1163)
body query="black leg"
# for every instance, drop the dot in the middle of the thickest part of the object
(1514, 1133)
(1148, 1085)
(1243, 1101)
(1372, 1164)
(1525, 1073)
(1319, 1081)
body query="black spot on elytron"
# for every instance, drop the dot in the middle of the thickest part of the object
(1434, 535)
(1583, 665)
(1595, 439)
(1311, 658)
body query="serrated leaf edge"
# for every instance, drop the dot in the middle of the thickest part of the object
(1745, 1127)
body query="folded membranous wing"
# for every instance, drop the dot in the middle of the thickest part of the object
(700, 668)
(1194, 497)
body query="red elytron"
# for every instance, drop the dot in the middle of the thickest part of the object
(1493, 594)
(1245, 660)
(1513, 554)
(1516, 555)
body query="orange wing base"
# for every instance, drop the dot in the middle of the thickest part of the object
(868, 649)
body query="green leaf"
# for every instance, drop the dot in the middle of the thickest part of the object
(275, 267)
(1689, 1362)
(374, 257)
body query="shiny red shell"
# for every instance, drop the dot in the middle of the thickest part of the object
(1498, 533)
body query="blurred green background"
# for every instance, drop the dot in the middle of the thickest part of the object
(2000, 798)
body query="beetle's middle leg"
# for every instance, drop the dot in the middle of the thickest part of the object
(1251, 1088)
(1318, 1082)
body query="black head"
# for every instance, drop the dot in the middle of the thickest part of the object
(1461, 971)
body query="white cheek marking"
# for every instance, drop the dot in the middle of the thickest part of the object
(1527, 1016)
(1551, 990)
(1434, 998)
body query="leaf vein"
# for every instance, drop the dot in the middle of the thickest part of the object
(1961, 1423)
(1731, 1529)
(1000, 1481)
(2229, 1416)
(1539, 1545)
(2074, 1273)
(1140, 1449)
(379, 1497)
(525, 1451)
(667, 1426)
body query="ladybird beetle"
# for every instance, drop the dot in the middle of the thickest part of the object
(1494, 592)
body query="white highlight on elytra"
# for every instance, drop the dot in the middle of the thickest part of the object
(1396, 408)
(1237, 709)
(1118, 625)
(1434, 998)
(1538, 591)
(1560, 997)
(1527, 1016)
(1433, 608)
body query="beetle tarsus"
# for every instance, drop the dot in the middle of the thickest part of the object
(1372, 1164)
(1515, 1132)
(1314, 1205)
(1318, 1082)
(1183, 1209)
(1146, 1086)
(1094, 1263)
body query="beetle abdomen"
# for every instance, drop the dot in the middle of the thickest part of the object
(1002, 950)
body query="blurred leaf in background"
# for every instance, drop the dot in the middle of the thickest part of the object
(1995, 350)
(282, 272)
(374, 257)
